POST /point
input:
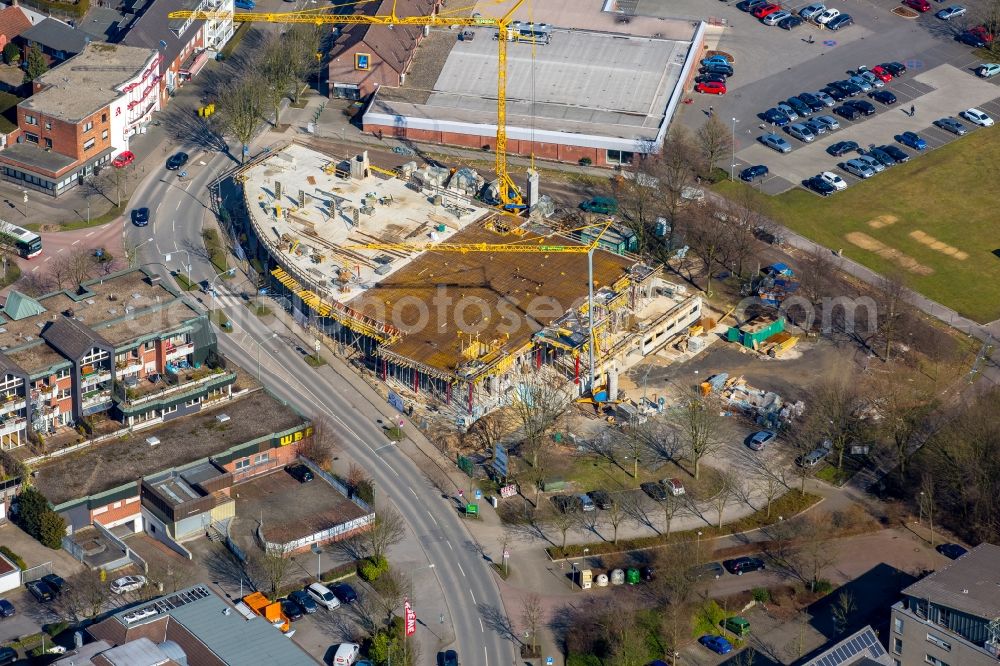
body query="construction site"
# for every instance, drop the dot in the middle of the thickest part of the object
(449, 302)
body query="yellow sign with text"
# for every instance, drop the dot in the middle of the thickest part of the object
(296, 436)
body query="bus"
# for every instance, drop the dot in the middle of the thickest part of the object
(26, 243)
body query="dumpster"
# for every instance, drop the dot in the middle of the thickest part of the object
(632, 576)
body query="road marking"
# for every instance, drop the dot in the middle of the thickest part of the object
(178, 205)
(48, 259)
(428, 512)
(391, 469)
(461, 569)
(75, 242)
(482, 628)
(89, 234)
(486, 656)
(449, 545)
(413, 492)
(60, 250)
(473, 597)
(37, 267)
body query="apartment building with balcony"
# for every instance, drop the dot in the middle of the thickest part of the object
(123, 348)
(951, 617)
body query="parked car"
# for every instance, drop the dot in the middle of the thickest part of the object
(835, 180)
(789, 22)
(301, 473)
(897, 69)
(601, 498)
(882, 73)
(450, 658)
(816, 126)
(870, 77)
(951, 11)
(716, 644)
(248, 5)
(41, 591)
(786, 109)
(707, 570)
(292, 609)
(777, 17)
(128, 584)
(654, 490)
(305, 602)
(827, 100)
(718, 68)
(866, 108)
(834, 92)
(861, 82)
(766, 10)
(919, 5)
(739, 626)
(872, 163)
(586, 503)
(566, 503)
(839, 22)
(715, 58)
(896, 152)
(847, 112)
(951, 125)
(819, 186)
(710, 78)
(883, 157)
(811, 101)
(673, 486)
(742, 565)
(884, 97)
(7, 608)
(988, 69)
(760, 439)
(951, 550)
(800, 107)
(830, 122)
(55, 582)
(751, 173)
(176, 161)
(344, 592)
(346, 654)
(977, 117)
(801, 132)
(809, 11)
(711, 88)
(8, 655)
(978, 37)
(812, 458)
(911, 139)
(600, 205)
(849, 88)
(123, 160)
(826, 16)
(322, 595)
(858, 168)
(776, 142)
(842, 148)
(749, 5)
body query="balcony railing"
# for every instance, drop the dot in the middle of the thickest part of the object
(95, 378)
(179, 350)
(8, 426)
(131, 400)
(12, 404)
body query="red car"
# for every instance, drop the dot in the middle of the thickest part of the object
(123, 160)
(711, 88)
(882, 73)
(919, 5)
(766, 10)
(982, 33)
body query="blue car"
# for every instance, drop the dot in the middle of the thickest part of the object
(776, 117)
(715, 59)
(912, 140)
(716, 644)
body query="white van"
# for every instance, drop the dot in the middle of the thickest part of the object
(347, 654)
(322, 595)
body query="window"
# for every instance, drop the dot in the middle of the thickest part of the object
(944, 617)
(940, 642)
(89, 125)
(192, 402)
(243, 463)
(31, 138)
(169, 410)
(104, 134)
(897, 645)
(104, 117)
(261, 458)
(48, 142)
(64, 393)
(48, 125)
(88, 144)
(62, 374)
(898, 624)
(620, 157)
(934, 661)
(30, 120)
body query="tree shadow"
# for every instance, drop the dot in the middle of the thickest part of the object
(187, 128)
(496, 619)
(224, 567)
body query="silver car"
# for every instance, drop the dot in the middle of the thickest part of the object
(830, 122)
(826, 99)
(872, 163)
(861, 83)
(812, 10)
(776, 142)
(872, 79)
(788, 111)
(858, 168)
(817, 127)
(801, 132)
(948, 13)
(951, 125)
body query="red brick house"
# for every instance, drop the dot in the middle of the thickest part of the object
(13, 22)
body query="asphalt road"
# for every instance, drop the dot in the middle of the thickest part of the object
(179, 206)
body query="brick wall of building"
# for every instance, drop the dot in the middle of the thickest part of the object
(67, 138)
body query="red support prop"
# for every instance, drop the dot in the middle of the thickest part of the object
(576, 371)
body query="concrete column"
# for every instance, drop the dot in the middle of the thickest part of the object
(612, 383)
(533, 192)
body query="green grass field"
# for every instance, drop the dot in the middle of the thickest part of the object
(935, 218)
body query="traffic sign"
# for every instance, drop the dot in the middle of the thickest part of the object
(479, 494)
(549, 661)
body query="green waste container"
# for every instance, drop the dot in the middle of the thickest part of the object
(632, 576)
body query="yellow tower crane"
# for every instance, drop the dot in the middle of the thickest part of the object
(507, 190)
(535, 245)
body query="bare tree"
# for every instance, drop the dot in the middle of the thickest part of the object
(392, 589)
(672, 507)
(743, 217)
(726, 492)
(241, 108)
(531, 617)
(489, 430)
(835, 416)
(891, 304)
(905, 402)
(385, 531)
(770, 475)
(561, 521)
(616, 515)
(707, 235)
(538, 405)
(174, 575)
(83, 596)
(303, 43)
(268, 570)
(699, 422)
(814, 552)
(60, 269)
(715, 141)
(277, 72)
(843, 610)
(81, 265)
(324, 443)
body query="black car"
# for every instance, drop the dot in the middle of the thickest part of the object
(717, 68)
(896, 153)
(176, 161)
(812, 101)
(55, 582)
(344, 592)
(41, 591)
(839, 22)
(800, 106)
(836, 93)
(884, 97)
(140, 217)
(7, 656)
(566, 503)
(300, 472)
(883, 157)
(753, 172)
(709, 570)
(654, 490)
(847, 111)
(749, 5)
(867, 108)
(897, 69)
(601, 498)
(6, 608)
(710, 78)
(972, 39)
(849, 88)
(742, 565)
(305, 602)
(449, 658)
(790, 22)
(951, 550)
(820, 186)
(842, 148)
(291, 609)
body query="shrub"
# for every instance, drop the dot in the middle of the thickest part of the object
(372, 569)
(52, 530)
(823, 587)
(38, 519)
(761, 595)
(13, 557)
(11, 54)
(586, 161)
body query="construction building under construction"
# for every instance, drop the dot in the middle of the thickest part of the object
(452, 325)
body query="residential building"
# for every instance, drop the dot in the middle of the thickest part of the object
(951, 617)
(57, 40)
(125, 347)
(196, 626)
(862, 648)
(13, 21)
(81, 115)
(185, 46)
(364, 57)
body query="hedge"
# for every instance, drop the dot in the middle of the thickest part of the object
(14, 557)
(789, 504)
(77, 9)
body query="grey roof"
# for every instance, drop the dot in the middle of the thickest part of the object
(33, 157)
(103, 22)
(58, 36)
(8, 367)
(862, 648)
(970, 584)
(72, 338)
(152, 25)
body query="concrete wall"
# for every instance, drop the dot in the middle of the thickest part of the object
(12, 579)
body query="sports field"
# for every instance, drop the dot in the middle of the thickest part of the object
(934, 220)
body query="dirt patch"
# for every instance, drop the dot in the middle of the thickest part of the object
(905, 13)
(940, 246)
(882, 221)
(866, 242)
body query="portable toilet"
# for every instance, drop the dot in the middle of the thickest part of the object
(632, 576)
(586, 579)
(618, 577)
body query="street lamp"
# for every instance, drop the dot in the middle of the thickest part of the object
(25, 193)
(698, 549)
(166, 257)
(211, 287)
(319, 552)
(134, 259)
(920, 505)
(732, 140)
